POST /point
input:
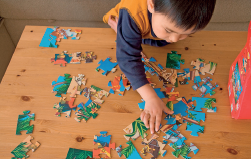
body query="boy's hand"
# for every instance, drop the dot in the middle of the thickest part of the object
(113, 22)
(153, 108)
(153, 111)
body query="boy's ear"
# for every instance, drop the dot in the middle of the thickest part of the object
(150, 6)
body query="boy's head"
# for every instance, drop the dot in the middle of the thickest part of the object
(174, 20)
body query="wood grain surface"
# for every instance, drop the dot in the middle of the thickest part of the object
(27, 86)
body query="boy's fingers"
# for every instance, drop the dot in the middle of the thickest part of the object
(168, 111)
(157, 124)
(117, 19)
(145, 120)
(152, 120)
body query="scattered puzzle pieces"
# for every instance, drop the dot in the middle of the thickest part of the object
(75, 85)
(25, 146)
(135, 130)
(65, 107)
(107, 66)
(204, 103)
(153, 146)
(119, 84)
(206, 87)
(86, 111)
(78, 154)
(96, 92)
(173, 60)
(129, 152)
(23, 122)
(200, 65)
(61, 85)
(188, 75)
(104, 145)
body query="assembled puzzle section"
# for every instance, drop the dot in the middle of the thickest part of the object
(78, 154)
(129, 152)
(61, 85)
(135, 130)
(206, 87)
(239, 83)
(204, 103)
(104, 145)
(65, 107)
(75, 85)
(96, 92)
(203, 67)
(119, 84)
(25, 146)
(173, 60)
(107, 66)
(53, 35)
(23, 122)
(87, 111)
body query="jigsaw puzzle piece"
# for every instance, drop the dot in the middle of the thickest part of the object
(65, 107)
(198, 63)
(107, 66)
(135, 130)
(119, 84)
(173, 60)
(170, 130)
(25, 146)
(129, 152)
(180, 108)
(75, 85)
(96, 92)
(183, 151)
(86, 111)
(197, 116)
(48, 39)
(71, 34)
(78, 154)
(204, 103)
(61, 85)
(195, 129)
(208, 68)
(103, 139)
(23, 122)
(170, 120)
(88, 57)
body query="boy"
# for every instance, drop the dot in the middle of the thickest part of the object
(156, 23)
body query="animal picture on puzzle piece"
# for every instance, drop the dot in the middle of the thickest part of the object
(23, 122)
(53, 35)
(65, 107)
(135, 130)
(173, 60)
(204, 103)
(203, 67)
(107, 66)
(96, 92)
(195, 129)
(87, 111)
(88, 57)
(153, 146)
(25, 146)
(75, 85)
(61, 85)
(129, 152)
(119, 84)
(78, 154)
(104, 145)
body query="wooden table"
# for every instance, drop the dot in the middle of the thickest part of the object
(27, 86)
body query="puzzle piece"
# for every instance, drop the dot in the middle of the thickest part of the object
(204, 103)
(180, 108)
(75, 85)
(103, 139)
(88, 57)
(96, 92)
(200, 65)
(62, 59)
(48, 39)
(189, 75)
(119, 84)
(150, 82)
(153, 146)
(86, 111)
(78, 154)
(25, 146)
(206, 87)
(65, 107)
(197, 116)
(71, 34)
(107, 66)
(173, 60)
(170, 130)
(23, 122)
(129, 152)
(135, 129)
(195, 128)
(62, 84)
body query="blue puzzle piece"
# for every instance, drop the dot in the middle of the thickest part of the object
(195, 129)
(204, 103)
(107, 66)
(197, 79)
(172, 132)
(170, 120)
(60, 86)
(142, 105)
(48, 40)
(103, 139)
(88, 102)
(179, 142)
(197, 116)
(130, 149)
(161, 67)
(159, 93)
(180, 108)
(71, 34)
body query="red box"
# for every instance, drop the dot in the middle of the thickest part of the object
(239, 83)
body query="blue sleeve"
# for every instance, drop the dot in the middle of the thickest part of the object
(157, 43)
(128, 50)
